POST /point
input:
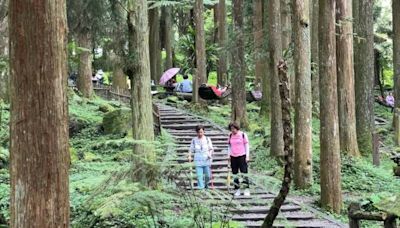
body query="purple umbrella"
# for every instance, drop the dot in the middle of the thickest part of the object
(168, 75)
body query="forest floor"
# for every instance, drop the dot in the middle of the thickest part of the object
(102, 195)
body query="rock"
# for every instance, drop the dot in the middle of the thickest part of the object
(106, 108)
(76, 125)
(396, 171)
(123, 156)
(118, 121)
(172, 99)
(90, 157)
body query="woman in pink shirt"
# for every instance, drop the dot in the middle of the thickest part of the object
(238, 148)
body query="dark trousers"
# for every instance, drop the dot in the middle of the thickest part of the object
(239, 163)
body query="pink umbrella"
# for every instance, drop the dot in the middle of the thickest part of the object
(168, 75)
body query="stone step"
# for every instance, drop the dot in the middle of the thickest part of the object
(283, 215)
(279, 223)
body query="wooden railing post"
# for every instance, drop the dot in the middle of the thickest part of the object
(353, 222)
(390, 222)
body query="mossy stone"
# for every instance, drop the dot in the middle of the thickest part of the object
(118, 121)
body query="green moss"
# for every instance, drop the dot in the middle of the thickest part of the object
(74, 155)
(106, 108)
(117, 122)
(90, 157)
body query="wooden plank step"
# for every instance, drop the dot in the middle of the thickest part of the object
(279, 223)
(283, 215)
(183, 126)
(264, 209)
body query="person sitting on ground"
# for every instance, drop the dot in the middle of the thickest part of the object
(203, 149)
(390, 99)
(185, 86)
(238, 149)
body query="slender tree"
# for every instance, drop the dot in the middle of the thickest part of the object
(38, 126)
(331, 193)
(155, 44)
(286, 23)
(200, 49)
(4, 77)
(119, 80)
(222, 56)
(265, 110)
(364, 73)
(303, 100)
(168, 35)
(345, 74)
(258, 35)
(84, 81)
(139, 72)
(396, 65)
(239, 114)
(314, 55)
(275, 48)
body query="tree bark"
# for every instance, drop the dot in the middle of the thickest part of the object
(396, 62)
(168, 29)
(286, 23)
(239, 114)
(222, 54)
(141, 103)
(275, 48)
(258, 34)
(155, 45)
(345, 74)
(4, 71)
(288, 141)
(39, 114)
(314, 56)
(200, 49)
(119, 81)
(331, 193)
(84, 80)
(215, 14)
(364, 73)
(265, 110)
(303, 102)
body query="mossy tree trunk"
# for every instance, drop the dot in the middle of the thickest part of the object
(239, 114)
(303, 100)
(345, 73)
(141, 103)
(275, 48)
(84, 81)
(39, 114)
(331, 193)
(364, 73)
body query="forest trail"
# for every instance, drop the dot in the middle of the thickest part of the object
(248, 210)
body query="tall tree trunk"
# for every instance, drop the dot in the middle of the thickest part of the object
(184, 21)
(200, 48)
(155, 45)
(258, 43)
(364, 73)
(265, 110)
(314, 56)
(331, 193)
(345, 74)
(215, 13)
(119, 78)
(396, 65)
(141, 103)
(239, 114)
(84, 81)
(222, 54)
(4, 71)
(168, 39)
(38, 126)
(275, 48)
(303, 102)
(286, 23)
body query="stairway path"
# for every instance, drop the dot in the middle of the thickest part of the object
(248, 210)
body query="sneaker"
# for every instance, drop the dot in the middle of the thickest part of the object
(246, 192)
(237, 193)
